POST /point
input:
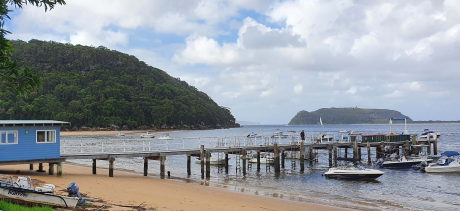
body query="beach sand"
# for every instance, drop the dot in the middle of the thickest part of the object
(127, 190)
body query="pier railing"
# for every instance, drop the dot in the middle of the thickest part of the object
(91, 145)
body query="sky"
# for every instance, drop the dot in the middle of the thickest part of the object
(267, 60)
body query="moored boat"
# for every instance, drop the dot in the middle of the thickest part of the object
(349, 171)
(213, 161)
(404, 162)
(120, 133)
(147, 135)
(450, 164)
(165, 136)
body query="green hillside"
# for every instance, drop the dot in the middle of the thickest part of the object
(346, 116)
(98, 87)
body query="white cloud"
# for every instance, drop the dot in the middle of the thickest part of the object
(298, 88)
(231, 95)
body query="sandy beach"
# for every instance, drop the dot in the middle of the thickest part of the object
(125, 191)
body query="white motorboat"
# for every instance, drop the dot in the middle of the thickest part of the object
(253, 135)
(23, 189)
(449, 164)
(404, 162)
(120, 133)
(278, 134)
(349, 171)
(165, 136)
(355, 133)
(429, 134)
(147, 135)
(264, 158)
(212, 161)
(344, 131)
(325, 137)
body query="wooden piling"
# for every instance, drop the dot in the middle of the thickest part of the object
(94, 166)
(202, 160)
(162, 165)
(51, 168)
(40, 167)
(244, 161)
(111, 160)
(282, 158)
(429, 144)
(146, 166)
(355, 150)
(31, 166)
(302, 158)
(359, 153)
(329, 149)
(208, 164)
(368, 152)
(277, 158)
(59, 169)
(258, 160)
(189, 166)
(226, 162)
(346, 152)
(435, 147)
(335, 155)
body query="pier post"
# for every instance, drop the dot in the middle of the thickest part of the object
(51, 168)
(369, 152)
(146, 166)
(335, 155)
(359, 153)
(226, 162)
(429, 144)
(435, 147)
(94, 166)
(202, 160)
(59, 169)
(189, 166)
(162, 165)
(397, 150)
(346, 152)
(208, 164)
(31, 166)
(244, 161)
(111, 160)
(302, 158)
(258, 160)
(40, 167)
(377, 152)
(282, 158)
(310, 152)
(355, 149)
(277, 158)
(329, 149)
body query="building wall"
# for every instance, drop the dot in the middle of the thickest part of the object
(27, 148)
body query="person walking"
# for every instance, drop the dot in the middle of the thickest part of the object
(302, 136)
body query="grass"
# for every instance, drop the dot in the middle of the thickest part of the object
(8, 206)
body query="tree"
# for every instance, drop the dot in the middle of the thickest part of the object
(20, 79)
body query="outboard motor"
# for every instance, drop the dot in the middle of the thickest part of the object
(73, 189)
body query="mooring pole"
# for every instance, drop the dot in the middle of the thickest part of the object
(277, 158)
(189, 166)
(226, 162)
(202, 160)
(244, 161)
(282, 158)
(258, 160)
(369, 152)
(59, 169)
(111, 160)
(94, 166)
(146, 166)
(162, 165)
(302, 158)
(208, 164)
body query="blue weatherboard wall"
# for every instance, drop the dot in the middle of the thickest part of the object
(27, 148)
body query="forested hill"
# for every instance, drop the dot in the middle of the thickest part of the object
(346, 116)
(98, 87)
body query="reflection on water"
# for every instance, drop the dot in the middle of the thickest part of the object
(396, 189)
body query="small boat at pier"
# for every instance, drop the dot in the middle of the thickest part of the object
(404, 162)
(23, 189)
(350, 172)
(147, 135)
(213, 161)
(449, 164)
(253, 135)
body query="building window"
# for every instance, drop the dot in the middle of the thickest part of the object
(9, 137)
(46, 136)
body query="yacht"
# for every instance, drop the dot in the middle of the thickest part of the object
(450, 164)
(147, 135)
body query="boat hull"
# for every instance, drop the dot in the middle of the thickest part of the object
(39, 198)
(368, 174)
(213, 162)
(396, 164)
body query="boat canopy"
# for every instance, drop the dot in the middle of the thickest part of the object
(450, 153)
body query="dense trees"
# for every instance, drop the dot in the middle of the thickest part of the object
(98, 87)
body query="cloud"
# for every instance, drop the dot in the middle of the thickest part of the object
(298, 88)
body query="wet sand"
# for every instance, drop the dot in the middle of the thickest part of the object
(126, 190)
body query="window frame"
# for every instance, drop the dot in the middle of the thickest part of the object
(46, 137)
(6, 136)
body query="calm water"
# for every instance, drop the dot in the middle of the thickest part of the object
(395, 190)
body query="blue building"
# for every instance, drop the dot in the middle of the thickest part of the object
(30, 141)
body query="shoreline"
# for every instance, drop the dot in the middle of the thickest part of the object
(109, 132)
(128, 189)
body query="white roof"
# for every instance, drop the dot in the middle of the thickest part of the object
(32, 122)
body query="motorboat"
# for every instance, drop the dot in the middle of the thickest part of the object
(355, 133)
(147, 135)
(429, 134)
(423, 154)
(450, 164)
(404, 162)
(264, 158)
(253, 135)
(213, 161)
(120, 133)
(278, 134)
(165, 136)
(344, 131)
(351, 171)
(325, 137)
(24, 189)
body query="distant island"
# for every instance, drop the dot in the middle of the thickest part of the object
(347, 116)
